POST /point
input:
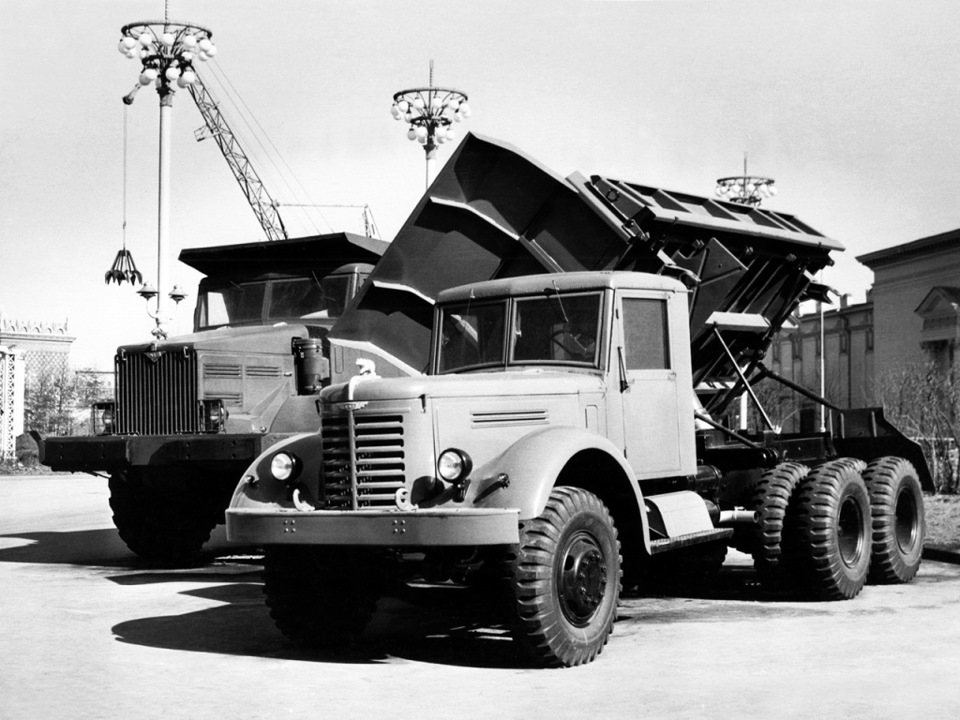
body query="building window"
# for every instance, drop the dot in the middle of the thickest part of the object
(844, 343)
(869, 338)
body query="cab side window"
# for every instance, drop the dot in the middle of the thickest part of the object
(645, 334)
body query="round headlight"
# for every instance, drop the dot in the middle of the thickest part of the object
(284, 466)
(454, 465)
(108, 419)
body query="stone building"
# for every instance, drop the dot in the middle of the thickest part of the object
(916, 295)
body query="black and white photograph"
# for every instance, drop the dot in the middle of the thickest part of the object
(470, 359)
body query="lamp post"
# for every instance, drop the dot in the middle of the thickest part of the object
(429, 113)
(167, 51)
(745, 189)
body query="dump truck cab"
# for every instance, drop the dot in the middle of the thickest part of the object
(190, 412)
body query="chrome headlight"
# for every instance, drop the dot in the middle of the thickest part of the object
(104, 418)
(284, 466)
(454, 465)
(214, 416)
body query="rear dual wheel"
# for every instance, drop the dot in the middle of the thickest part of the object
(769, 497)
(827, 538)
(896, 500)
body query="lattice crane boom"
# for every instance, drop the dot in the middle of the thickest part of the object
(262, 204)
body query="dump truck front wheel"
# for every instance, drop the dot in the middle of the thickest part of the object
(566, 579)
(164, 516)
(323, 597)
(828, 531)
(896, 502)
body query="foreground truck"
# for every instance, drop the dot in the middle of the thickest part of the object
(190, 413)
(569, 436)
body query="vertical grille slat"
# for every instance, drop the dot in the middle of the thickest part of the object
(157, 397)
(379, 459)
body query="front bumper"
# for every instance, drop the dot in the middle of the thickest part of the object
(418, 528)
(108, 453)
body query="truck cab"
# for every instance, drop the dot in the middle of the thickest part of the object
(190, 412)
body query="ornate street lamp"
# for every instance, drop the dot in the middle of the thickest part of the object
(167, 51)
(430, 113)
(745, 189)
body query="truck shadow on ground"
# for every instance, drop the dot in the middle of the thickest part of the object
(79, 547)
(94, 548)
(438, 625)
(443, 628)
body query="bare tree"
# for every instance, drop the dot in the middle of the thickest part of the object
(923, 400)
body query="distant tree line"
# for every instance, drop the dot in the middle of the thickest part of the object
(58, 401)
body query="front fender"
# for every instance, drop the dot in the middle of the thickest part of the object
(534, 463)
(258, 488)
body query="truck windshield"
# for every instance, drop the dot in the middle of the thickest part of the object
(550, 329)
(472, 336)
(557, 328)
(271, 301)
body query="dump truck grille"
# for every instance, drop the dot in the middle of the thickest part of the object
(157, 392)
(378, 460)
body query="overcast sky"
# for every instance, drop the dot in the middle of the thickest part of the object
(851, 106)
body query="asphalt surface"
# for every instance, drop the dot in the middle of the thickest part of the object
(87, 632)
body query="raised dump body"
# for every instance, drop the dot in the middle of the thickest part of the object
(494, 213)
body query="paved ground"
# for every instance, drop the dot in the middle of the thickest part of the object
(86, 633)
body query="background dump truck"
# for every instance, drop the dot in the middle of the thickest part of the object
(190, 413)
(568, 434)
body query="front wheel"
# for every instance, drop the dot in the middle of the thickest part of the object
(166, 516)
(898, 528)
(323, 597)
(566, 579)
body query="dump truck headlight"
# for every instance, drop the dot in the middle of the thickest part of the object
(214, 415)
(284, 466)
(454, 465)
(104, 417)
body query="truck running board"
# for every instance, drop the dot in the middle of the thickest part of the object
(696, 538)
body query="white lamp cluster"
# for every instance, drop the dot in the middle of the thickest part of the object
(745, 189)
(167, 52)
(429, 113)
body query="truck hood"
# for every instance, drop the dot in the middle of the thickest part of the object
(510, 384)
(273, 338)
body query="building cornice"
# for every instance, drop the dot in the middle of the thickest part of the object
(911, 250)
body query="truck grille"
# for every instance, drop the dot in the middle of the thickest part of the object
(157, 392)
(379, 459)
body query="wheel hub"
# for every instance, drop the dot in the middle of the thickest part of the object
(905, 521)
(850, 531)
(582, 581)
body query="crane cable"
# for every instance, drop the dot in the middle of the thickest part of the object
(233, 96)
(125, 118)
